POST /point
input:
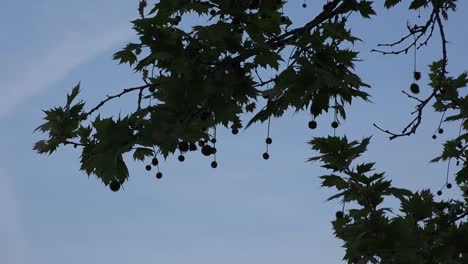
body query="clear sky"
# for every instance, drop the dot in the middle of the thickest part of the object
(247, 210)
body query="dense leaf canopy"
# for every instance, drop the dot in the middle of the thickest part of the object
(210, 76)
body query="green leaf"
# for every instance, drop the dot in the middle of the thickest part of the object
(268, 59)
(125, 56)
(73, 94)
(142, 153)
(417, 4)
(365, 8)
(333, 180)
(365, 167)
(391, 3)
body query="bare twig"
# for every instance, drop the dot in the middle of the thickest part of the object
(110, 97)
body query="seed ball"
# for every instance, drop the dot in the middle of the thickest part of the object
(334, 124)
(206, 150)
(181, 158)
(414, 88)
(304, 5)
(214, 164)
(339, 215)
(201, 143)
(155, 162)
(148, 167)
(114, 185)
(313, 124)
(269, 141)
(212, 12)
(434, 136)
(159, 175)
(178, 18)
(266, 156)
(459, 145)
(152, 89)
(449, 185)
(440, 131)
(213, 150)
(235, 131)
(192, 146)
(213, 140)
(439, 193)
(417, 76)
(183, 146)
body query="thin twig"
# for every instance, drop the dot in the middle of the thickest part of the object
(125, 91)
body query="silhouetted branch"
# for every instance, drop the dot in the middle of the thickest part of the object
(109, 97)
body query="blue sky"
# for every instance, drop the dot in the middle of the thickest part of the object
(246, 211)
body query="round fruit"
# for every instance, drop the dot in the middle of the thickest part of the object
(178, 18)
(439, 193)
(441, 131)
(417, 76)
(114, 185)
(152, 89)
(213, 140)
(339, 215)
(206, 150)
(213, 150)
(266, 155)
(269, 141)
(212, 12)
(148, 167)
(155, 162)
(334, 124)
(183, 146)
(414, 88)
(459, 145)
(235, 131)
(304, 5)
(449, 185)
(159, 175)
(201, 143)
(192, 146)
(313, 124)
(214, 164)
(434, 136)
(181, 158)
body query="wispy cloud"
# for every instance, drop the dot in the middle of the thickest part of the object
(44, 69)
(51, 39)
